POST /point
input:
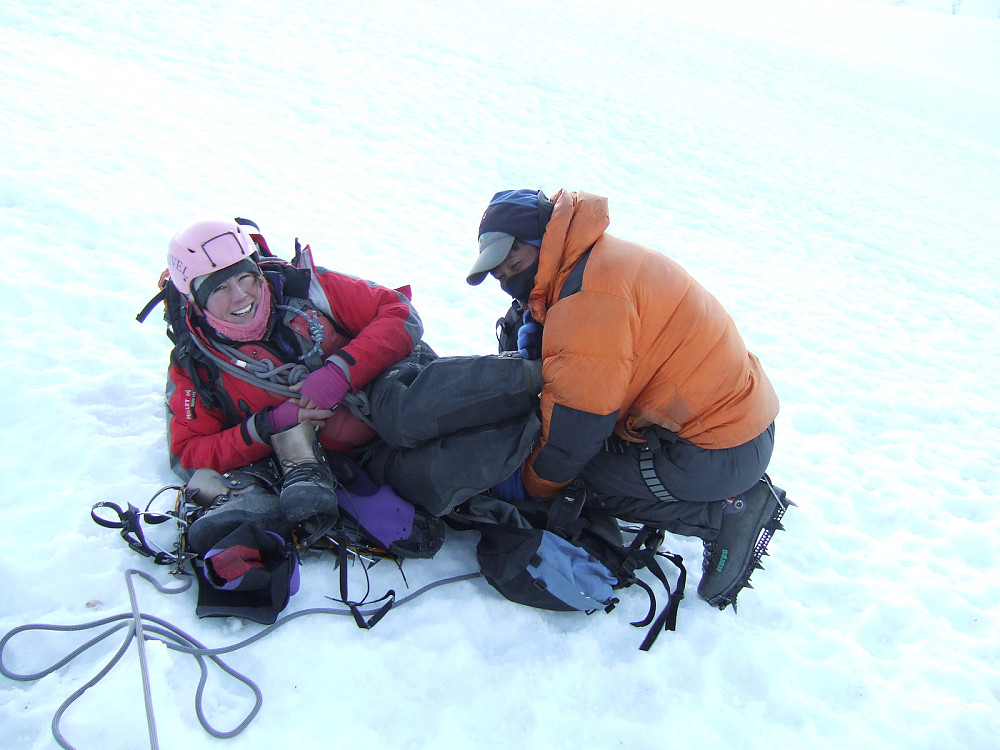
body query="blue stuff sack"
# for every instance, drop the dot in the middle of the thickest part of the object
(540, 569)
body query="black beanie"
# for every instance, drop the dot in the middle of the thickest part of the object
(203, 286)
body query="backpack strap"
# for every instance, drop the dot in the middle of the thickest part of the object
(184, 353)
(161, 296)
(257, 237)
(190, 354)
(643, 553)
(507, 327)
(667, 619)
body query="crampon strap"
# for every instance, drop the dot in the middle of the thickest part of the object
(129, 523)
(365, 621)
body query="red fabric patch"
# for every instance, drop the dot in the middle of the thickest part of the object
(234, 562)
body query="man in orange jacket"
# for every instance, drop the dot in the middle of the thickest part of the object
(651, 400)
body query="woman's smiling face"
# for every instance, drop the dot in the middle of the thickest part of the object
(236, 299)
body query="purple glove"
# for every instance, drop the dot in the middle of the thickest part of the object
(283, 416)
(325, 387)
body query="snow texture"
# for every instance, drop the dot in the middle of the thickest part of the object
(829, 169)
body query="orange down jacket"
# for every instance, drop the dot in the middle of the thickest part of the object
(631, 339)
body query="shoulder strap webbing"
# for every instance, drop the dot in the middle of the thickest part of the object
(667, 619)
(144, 313)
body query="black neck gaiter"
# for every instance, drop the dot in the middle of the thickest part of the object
(519, 285)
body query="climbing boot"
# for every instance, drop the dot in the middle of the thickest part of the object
(230, 500)
(309, 487)
(749, 521)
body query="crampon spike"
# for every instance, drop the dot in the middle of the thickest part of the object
(771, 526)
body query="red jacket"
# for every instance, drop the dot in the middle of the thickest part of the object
(631, 339)
(367, 328)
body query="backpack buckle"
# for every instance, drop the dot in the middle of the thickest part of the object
(566, 509)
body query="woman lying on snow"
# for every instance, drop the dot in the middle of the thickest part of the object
(288, 380)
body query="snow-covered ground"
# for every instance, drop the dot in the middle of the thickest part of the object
(830, 169)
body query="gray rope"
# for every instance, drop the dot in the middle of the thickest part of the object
(241, 371)
(140, 639)
(143, 627)
(285, 374)
(357, 403)
(282, 375)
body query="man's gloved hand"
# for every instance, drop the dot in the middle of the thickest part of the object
(511, 489)
(529, 337)
(325, 388)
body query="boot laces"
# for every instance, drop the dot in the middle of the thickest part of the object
(706, 555)
(218, 501)
(306, 471)
(732, 505)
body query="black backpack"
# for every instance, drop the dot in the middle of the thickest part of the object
(562, 556)
(508, 326)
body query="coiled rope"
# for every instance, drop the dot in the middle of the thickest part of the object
(141, 627)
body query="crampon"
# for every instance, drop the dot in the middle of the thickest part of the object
(748, 525)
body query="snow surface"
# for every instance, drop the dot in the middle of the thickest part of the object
(830, 169)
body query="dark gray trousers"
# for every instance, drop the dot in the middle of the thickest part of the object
(697, 480)
(452, 427)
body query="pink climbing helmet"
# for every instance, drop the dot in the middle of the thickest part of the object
(205, 247)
